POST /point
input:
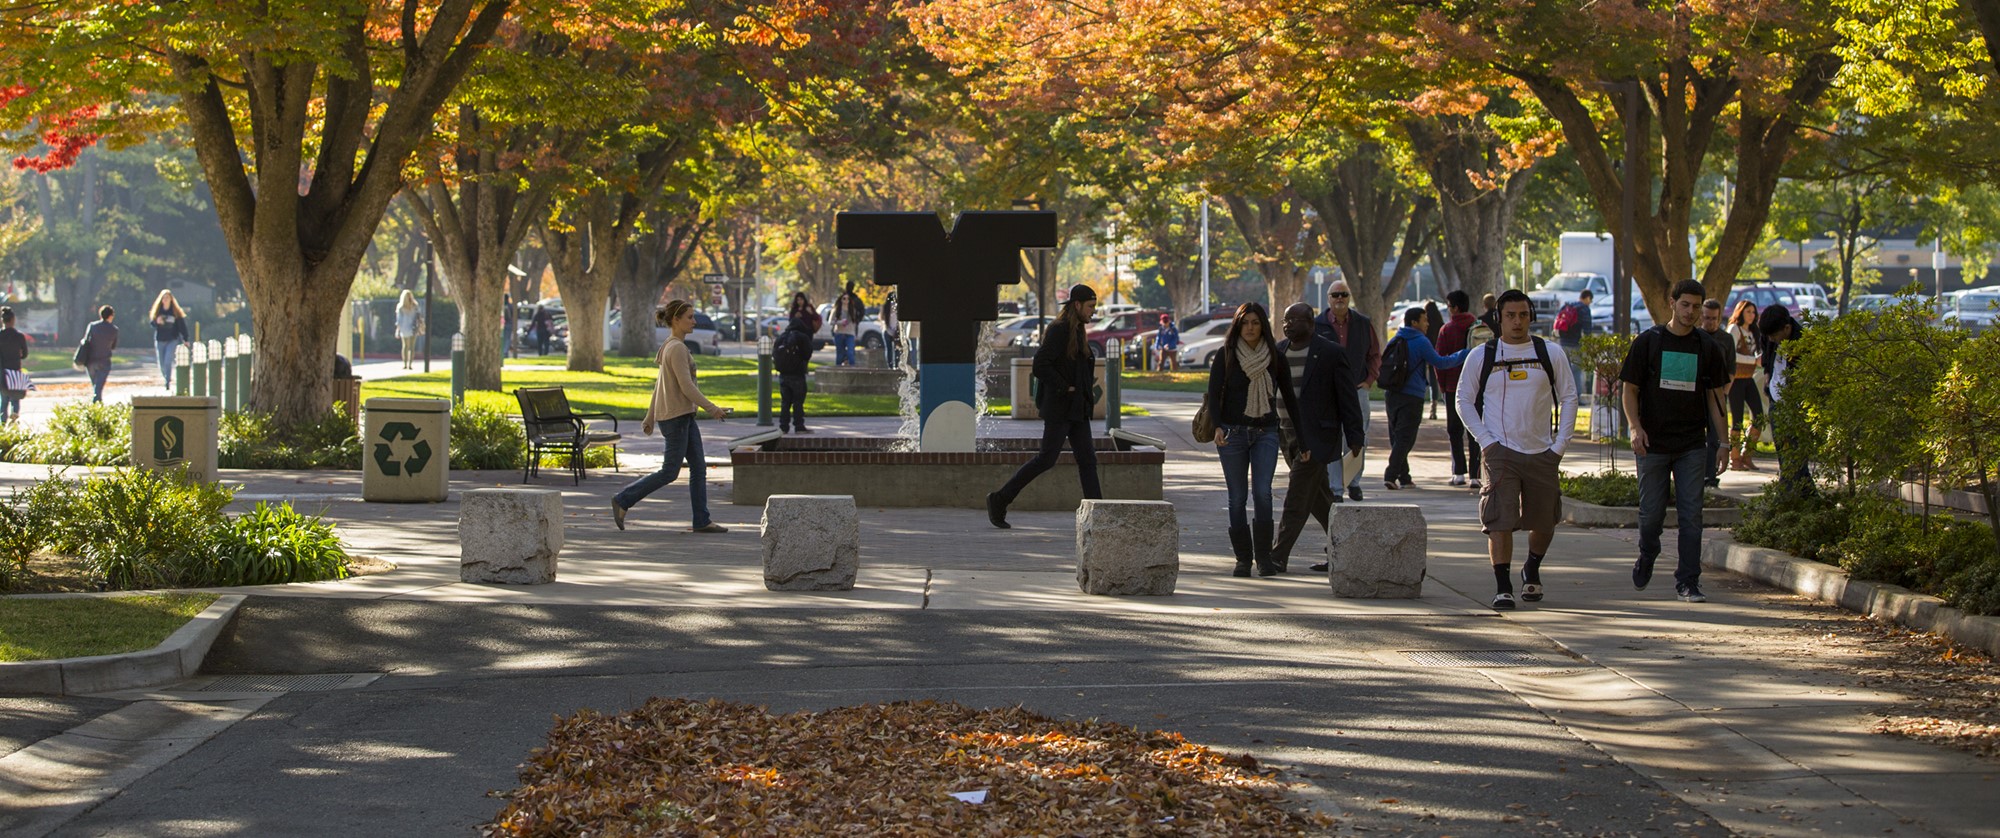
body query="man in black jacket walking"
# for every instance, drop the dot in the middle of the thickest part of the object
(1329, 416)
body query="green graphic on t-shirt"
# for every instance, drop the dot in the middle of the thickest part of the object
(1677, 370)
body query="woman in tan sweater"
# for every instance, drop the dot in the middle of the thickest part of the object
(675, 398)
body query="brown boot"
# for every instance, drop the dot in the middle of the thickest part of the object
(1749, 448)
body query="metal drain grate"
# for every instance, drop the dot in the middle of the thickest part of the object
(1477, 658)
(287, 683)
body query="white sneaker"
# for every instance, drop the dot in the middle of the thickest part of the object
(1458, 480)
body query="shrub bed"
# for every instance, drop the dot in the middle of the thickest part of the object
(79, 434)
(1614, 488)
(135, 528)
(254, 440)
(1875, 539)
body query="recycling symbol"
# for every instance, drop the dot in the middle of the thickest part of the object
(420, 452)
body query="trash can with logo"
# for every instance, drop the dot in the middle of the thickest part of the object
(406, 450)
(1024, 389)
(171, 432)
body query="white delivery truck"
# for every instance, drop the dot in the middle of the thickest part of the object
(1583, 262)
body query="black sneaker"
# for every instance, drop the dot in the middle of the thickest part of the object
(1354, 493)
(996, 511)
(1318, 567)
(1690, 593)
(617, 514)
(1642, 572)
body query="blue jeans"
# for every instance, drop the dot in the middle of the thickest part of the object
(99, 373)
(1575, 366)
(843, 350)
(1687, 469)
(1249, 458)
(683, 439)
(165, 350)
(10, 404)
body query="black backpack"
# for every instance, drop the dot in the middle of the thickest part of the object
(1395, 366)
(1492, 357)
(790, 352)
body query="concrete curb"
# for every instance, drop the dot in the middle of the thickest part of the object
(177, 658)
(1579, 514)
(1828, 583)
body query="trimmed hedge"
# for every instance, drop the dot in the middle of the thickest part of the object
(1875, 539)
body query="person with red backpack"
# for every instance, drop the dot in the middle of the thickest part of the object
(1573, 321)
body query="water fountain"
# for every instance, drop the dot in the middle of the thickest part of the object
(948, 289)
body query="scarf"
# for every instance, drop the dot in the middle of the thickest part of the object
(1255, 363)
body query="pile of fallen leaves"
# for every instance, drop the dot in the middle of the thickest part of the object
(718, 768)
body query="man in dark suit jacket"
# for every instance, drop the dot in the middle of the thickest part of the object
(1329, 415)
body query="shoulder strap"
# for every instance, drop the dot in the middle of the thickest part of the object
(1542, 355)
(1486, 370)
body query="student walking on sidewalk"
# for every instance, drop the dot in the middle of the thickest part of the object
(1506, 397)
(675, 398)
(170, 330)
(1248, 387)
(1329, 414)
(1066, 372)
(1406, 384)
(1457, 335)
(98, 343)
(1673, 372)
(1743, 391)
(406, 326)
(13, 350)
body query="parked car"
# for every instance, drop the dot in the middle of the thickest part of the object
(870, 335)
(1807, 297)
(1010, 330)
(1195, 321)
(1762, 295)
(1870, 302)
(1123, 325)
(704, 340)
(1565, 288)
(1201, 344)
(1974, 312)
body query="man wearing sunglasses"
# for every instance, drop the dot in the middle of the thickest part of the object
(1357, 337)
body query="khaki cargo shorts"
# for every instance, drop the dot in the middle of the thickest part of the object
(1520, 492)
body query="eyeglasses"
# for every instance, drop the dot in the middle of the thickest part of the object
(1337, 295)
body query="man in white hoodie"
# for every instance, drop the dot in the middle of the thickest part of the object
(1518, 402)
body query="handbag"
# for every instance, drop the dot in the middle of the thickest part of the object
(1204, 424)
(17, 380)
(82, 359)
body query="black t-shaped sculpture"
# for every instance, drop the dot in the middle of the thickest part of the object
(948, 281)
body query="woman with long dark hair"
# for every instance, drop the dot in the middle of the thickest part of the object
(802, 307)
(1066, 372)
(1249, 387)
(675, 398)
(170, 330)
(1743, 388)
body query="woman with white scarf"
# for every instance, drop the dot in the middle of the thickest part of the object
(1249, 390)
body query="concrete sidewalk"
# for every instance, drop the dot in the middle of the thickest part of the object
(1625, 711)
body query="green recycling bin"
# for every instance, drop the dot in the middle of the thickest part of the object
(171, 432)
(406, 451)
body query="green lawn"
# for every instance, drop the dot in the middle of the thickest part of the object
(45, 629)
(44, 359)
(626, 386)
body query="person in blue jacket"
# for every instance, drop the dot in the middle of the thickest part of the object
(1406, 402)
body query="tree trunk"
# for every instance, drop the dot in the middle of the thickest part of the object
(655, 260)
(1474, 218)
(297, 247)
(1688, 103)
(1282, 244)
(585, 258)
(1363, 211)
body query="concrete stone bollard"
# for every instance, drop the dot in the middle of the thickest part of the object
(1376, 551)
(509, 536)
(1127, 547)
(811, 542)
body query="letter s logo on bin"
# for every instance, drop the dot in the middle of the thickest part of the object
(169, 440)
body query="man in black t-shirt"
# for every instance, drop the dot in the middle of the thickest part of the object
(1672, 374)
